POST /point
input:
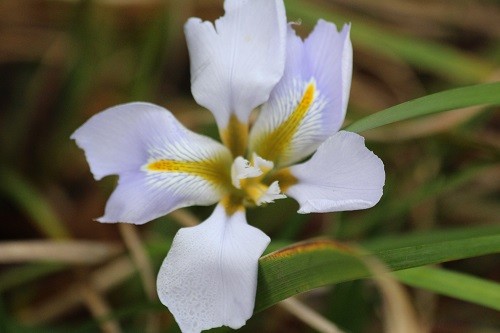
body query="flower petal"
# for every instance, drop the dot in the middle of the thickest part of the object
(342, 175)
(329, 53)
(162, 165)
(309, 103)
(209, 277)
(235, 64)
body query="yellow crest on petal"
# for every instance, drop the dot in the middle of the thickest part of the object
(214, 170)
(273, 145)
(235, 136)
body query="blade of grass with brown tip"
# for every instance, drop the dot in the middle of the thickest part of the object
(307, 265)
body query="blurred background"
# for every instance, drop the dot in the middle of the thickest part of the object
(61, 61)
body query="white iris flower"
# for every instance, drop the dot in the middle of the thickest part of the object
(250, 57)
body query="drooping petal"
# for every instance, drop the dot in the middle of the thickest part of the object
(209, 277)
(236, 63)
(309, 103)
(342, 175)
(162, 165)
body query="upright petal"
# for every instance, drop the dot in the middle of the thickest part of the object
(161, 164)
(309, 103)
(342, 175)
(236, 63)
(329, 53)
(209, 277)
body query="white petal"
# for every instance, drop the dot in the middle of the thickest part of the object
(309, 103)
(116, 139)
(209, 277)
(342, 175)
(140, 198)
(126, 139)
(235, 64)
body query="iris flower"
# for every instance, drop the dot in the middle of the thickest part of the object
(249, 58)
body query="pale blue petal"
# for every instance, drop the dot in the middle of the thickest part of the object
(323, 60)
(329, 53)
(342, 175)
(124, 139)
(209, 277)
(140, 198)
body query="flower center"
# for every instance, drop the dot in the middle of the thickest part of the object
(247, 177)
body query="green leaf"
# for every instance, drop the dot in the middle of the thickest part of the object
(307, 265)
(418, 238)
(453, 284)
(20, 275)
(481, 94)
(15, 187)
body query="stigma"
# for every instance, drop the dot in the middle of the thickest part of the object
(248, 177)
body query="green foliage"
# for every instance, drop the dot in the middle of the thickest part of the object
(481, 94)
(453, 284)
(312, 264)
(33, 203)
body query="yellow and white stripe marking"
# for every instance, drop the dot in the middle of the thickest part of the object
(274, 145)
(215, 171)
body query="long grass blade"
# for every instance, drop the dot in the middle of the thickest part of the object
(15, 187)
(454, 284)
(307, 265)
(481, 94)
